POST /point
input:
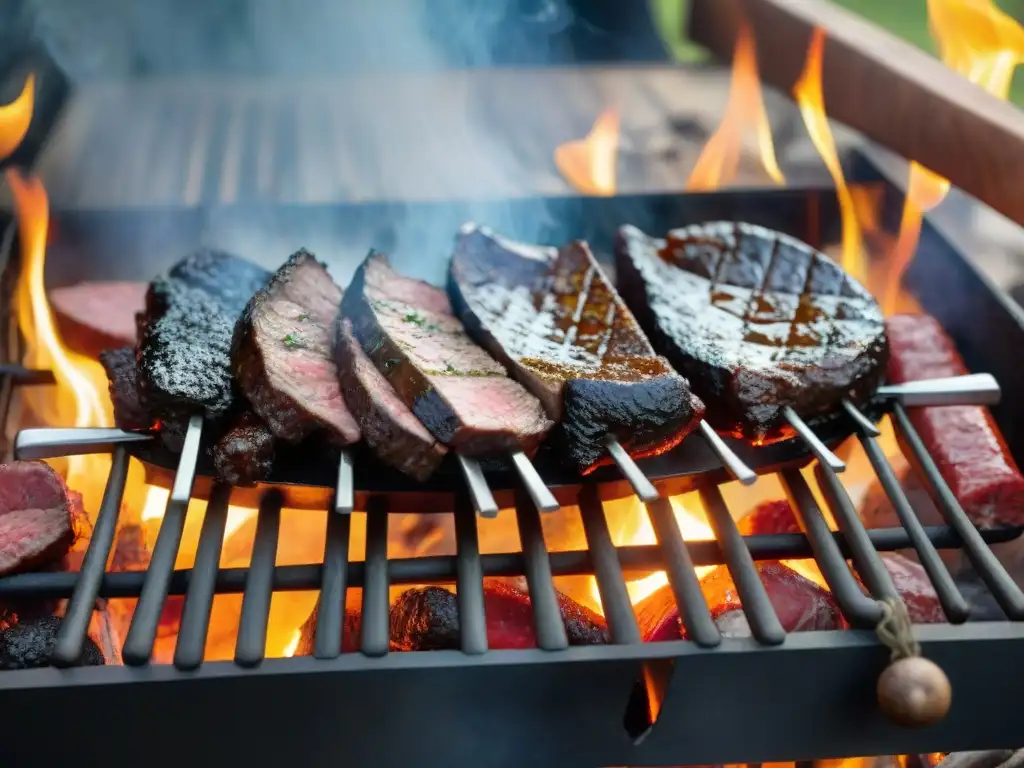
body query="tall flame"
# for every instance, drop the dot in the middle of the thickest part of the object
(589, 164)
(719, 160)
(811, 100)
(16, 117)
(984, 45)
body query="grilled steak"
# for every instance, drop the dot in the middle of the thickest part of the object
(283, 354)
(186, 330)
(387, 424)
(122, 375)
(756, 320)
(554, 319)
(96, 316)
(35, 516)
(458, 391)
(244, 454)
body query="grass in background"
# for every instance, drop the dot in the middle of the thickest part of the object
(905, 18)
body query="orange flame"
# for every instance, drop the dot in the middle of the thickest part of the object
(719, 160)
(984, 45)
(16, 117)
(589, 164)
(811, 100)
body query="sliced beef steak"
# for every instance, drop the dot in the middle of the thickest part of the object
(387, 424)
(35, 516)
(554, 319)
(458, 391)
(185, 343)
(244, 454)
(283, 354)
(756, 320)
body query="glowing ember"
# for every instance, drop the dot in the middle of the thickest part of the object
(811, 100)
(719, 160)
(588, 164)
(16, 117)
(984, 45)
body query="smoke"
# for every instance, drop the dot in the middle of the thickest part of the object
(285, 40)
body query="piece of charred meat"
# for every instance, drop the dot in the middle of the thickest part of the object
(459, 392)
(393, 432)
(554, 319)
(184, 355)
(122, 375)
(283, 354)
(36, 525)
(756, 320)
(244, 454)
(29, 645)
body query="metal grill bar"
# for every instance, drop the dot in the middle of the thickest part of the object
(469, 581)
(252, 625)
(999, 582)
(202, 584)
(376, 624)
(547, 618)
(764, 622)
(68, 646)
(330, 615)
(618, 610)
(345, 488)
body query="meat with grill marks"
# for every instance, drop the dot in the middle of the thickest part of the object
(456, 390)
(554, 319)
(283, 356)
(756, 320)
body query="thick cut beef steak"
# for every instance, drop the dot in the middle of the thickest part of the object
(283, 353)
(184, 351)
(756, 320)
(554, 319)
(35, 516)
(388, 426)
(459, 392)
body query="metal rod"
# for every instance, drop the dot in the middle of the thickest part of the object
(47, 443)
(469, 579)
(693, 606)
(732, 463)
(643, 487)
(539, 492)
(864, 424)
(1003, 588)
(250, 648)
(547, 617)
(764, 622)
(476, 483)
(376, 620)
(26, 377)
(954, 605)
(970, 389)
(869, 565)
(190, 647)
(860, 609)
(138, 646)
(330, 614)
(611, 584)
(344, 489)
(67, 649)
(638, 560)
(818, 448)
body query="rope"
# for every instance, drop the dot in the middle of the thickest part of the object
(896, 631)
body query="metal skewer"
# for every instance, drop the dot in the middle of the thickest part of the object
(539, 493)
(643, 487)
(725, 454)
(818, 448)
(479, 491)
(345, 493)
(49, 443)
(971, 389)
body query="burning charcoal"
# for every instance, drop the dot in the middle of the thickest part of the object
(349, 637)
(244, 455)
(914, 586)
(769, 517)
(801, 605)
(96, 316)
(427, 618)
(29, 644)
(35, 516)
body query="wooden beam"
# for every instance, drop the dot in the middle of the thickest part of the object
(893, 93)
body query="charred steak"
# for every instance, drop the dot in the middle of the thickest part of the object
(244, 454)
(35, 516)
(554, 319)
(283, 353)
(122, 376)
(756, 320)
(458, 391)
(185, 335)
(396, 436)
